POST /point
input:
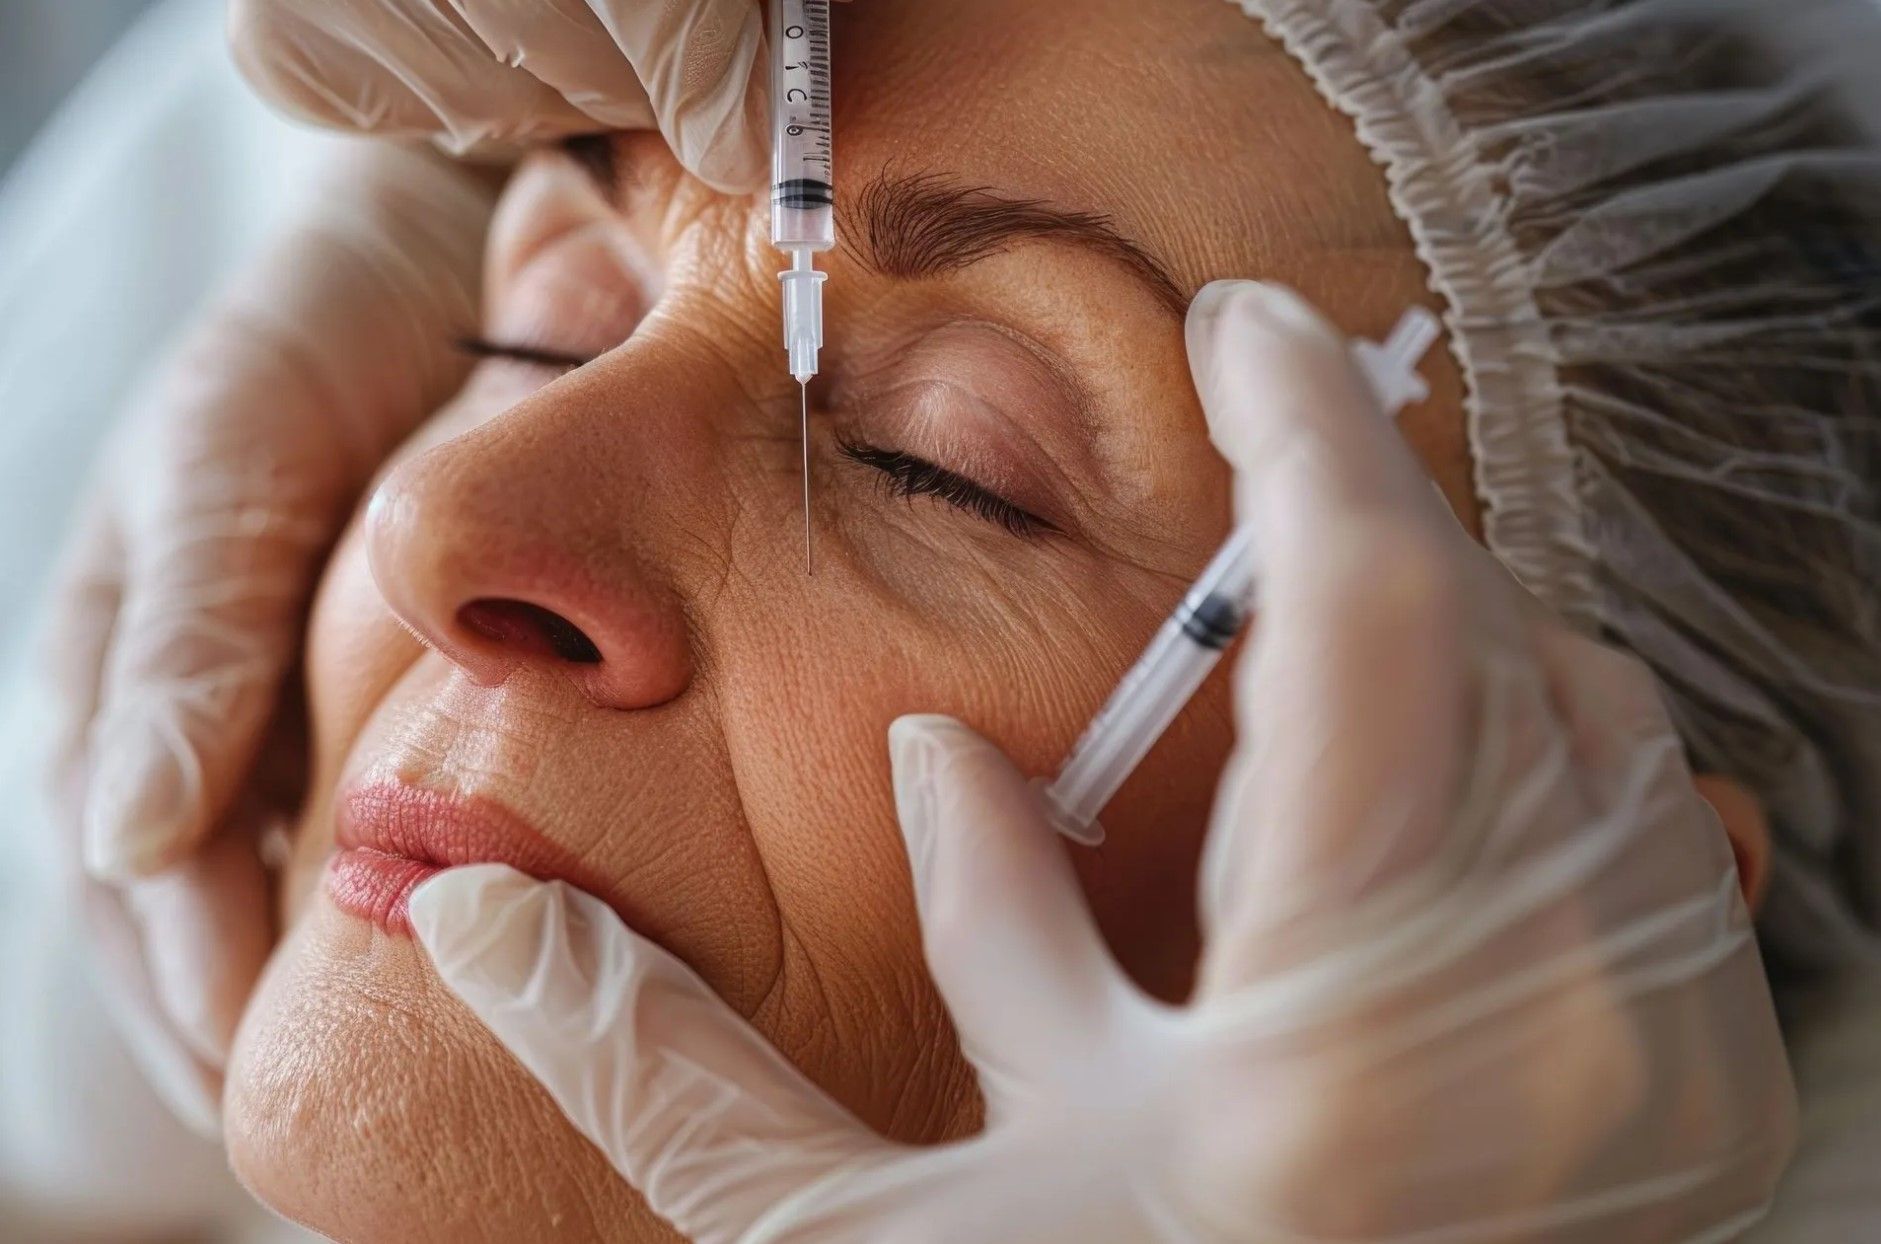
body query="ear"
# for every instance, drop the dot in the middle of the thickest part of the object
(1745, 825)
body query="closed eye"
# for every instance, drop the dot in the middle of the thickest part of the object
(908, 476)
(536, 356)
(904, 475)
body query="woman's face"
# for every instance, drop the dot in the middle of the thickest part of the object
(574, 630)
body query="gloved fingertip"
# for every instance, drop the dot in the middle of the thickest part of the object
(549, 969)
(179, 982)
(1255, 348)
(1242, 306)
(209, 1035)
(918, 747)
(1205, 309)
(1228, 320)
(522, 953)
(195, 1108)
(137, 811)
(185, 1090)
(743, 173)
(730, 165)
(116, 860)
(723, 136)
(453, 913)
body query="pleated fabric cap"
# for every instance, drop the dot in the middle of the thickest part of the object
(1657, 226)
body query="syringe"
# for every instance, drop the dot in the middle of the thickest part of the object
(803, 216)
(1193, 638)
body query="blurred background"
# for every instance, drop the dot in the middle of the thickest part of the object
(45, 48)
(136, 172)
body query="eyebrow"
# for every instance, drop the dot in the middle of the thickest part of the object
(914, 225)
(925, 224)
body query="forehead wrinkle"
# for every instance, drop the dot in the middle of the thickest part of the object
(914, 225)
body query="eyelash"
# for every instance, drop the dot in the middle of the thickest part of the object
(909, 476)
(516, 352)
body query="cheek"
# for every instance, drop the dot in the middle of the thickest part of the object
(1143, 881)
(1027, 654)
(356, 653)
(356, 650)
(807, 705)
(852, 1006)
(806, 702)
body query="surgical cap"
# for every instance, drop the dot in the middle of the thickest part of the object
(1657, 227)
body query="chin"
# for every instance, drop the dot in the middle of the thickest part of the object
(365, 1103)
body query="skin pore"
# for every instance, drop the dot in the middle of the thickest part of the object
(578, 594)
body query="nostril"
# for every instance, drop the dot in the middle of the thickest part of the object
(519, 624)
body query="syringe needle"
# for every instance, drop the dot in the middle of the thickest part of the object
(803, 431)
(803, 199)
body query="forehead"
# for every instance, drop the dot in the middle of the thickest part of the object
(1177, 119)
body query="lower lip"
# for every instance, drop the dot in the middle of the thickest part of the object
(377, 887)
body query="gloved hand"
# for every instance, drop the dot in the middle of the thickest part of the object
(478, 71)
(181, 604)
(1476, 964)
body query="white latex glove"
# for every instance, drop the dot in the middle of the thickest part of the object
(1476, 964)
(473, 72)
(181, 603)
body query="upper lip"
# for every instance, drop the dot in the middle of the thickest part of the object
(447, 830)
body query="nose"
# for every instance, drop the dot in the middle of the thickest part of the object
(519, 543)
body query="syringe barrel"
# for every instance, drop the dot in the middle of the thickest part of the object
(1124, 730)
(1230, 572)
(1170, 670)
(803, 213)
(1194, 637)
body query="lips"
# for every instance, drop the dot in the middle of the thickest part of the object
(392, 836)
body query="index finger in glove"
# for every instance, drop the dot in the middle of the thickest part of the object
(245, 456)
(77, 635)
(1008, 933)
(222, 538)
(692, 1105)
(477, 71)
(1351, 699)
